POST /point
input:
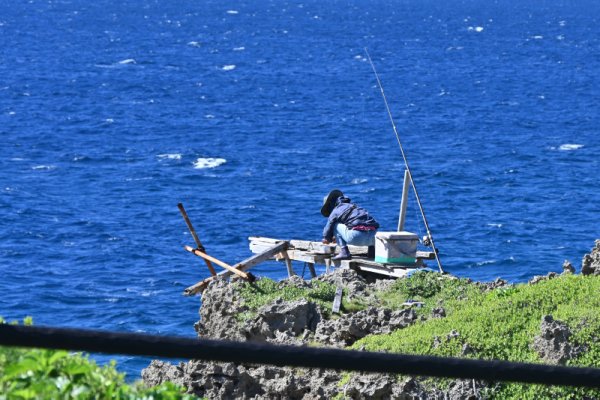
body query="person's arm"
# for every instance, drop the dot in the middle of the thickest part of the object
(328, 230)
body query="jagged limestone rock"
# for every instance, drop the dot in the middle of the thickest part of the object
(220, 305)
(465, 389)
(349, 328)
(438, 312)
(283, 321)
(497, 283)
(553, 344)
(348, 279)
(590, 265)
(568, 268)
(539, 278)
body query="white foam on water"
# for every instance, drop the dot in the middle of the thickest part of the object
(194, 44)
(43, 167)
(537, 37)
(358, 181)
(570, 147)
(495, 225)
(233, 12)
(486, 262)
(475, 28)
(228, 67)
(203, 163)
(241, 48)
(169, 156)
(127, 61)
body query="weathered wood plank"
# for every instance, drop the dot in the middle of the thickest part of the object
(394, 273)
(288, 264)
(313, 247)
(307, 245)
(259, 244)
(242, 266)
(311, 268)
(195, 236)
(337, 300)
(426, 255)
(228, 267)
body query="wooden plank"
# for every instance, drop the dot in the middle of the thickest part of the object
(247, 276)
(258, 248)
(311, 268)
(306, 245)
(426, 255)
(263, 239)
(259, 244)
(337, 300)
(313, 247)
(259, 241)
(288, 264)
(196, 238)
(321, 248)
(242, 266)
(395, 273)
(263, 256)
(404, 201)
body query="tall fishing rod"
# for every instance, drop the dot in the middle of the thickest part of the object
(430, 237)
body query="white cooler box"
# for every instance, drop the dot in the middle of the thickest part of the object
(396, 247)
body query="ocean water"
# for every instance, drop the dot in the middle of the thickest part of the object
(249, 112)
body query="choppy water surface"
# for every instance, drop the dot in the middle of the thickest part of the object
(249, 112)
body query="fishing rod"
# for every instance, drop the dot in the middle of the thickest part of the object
(429, 236)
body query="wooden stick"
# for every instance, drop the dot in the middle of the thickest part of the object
(247, 276)
(404, 202)
(242, 266)
(337, 300)
(311, 268)
(196, 238)
(288, 264)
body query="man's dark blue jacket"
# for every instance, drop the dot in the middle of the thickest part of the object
(349, 214)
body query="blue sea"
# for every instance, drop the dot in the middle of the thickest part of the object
(249, 112)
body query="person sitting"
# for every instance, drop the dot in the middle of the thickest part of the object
(349, 223)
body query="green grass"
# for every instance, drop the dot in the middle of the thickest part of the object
(265, 291)
(54, 374)
(500, 324)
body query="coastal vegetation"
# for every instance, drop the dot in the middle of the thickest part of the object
(461, 318)
(552, 320)
(265, 291)
(57, 374)
(497, 324)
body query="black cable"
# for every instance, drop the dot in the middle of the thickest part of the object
(255, 353)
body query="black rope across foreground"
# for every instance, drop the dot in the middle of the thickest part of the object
(255, 353)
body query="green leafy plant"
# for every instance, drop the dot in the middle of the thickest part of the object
(57, 374)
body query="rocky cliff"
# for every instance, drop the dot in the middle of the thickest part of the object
(298, 312)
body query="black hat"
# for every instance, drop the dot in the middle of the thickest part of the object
(329, 201)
